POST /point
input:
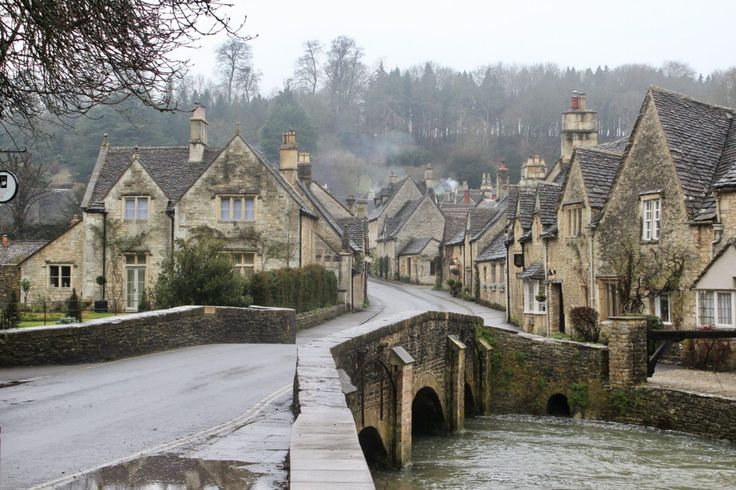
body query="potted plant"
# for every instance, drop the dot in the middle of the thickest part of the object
(101, 304)
(541, 295)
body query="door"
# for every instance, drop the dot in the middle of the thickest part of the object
(135, 283)
(562, 309)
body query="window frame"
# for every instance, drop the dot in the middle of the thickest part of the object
(658, 307)
(716, 310)
(573, 220)
(651, 217)
(531, 290)
(59, 275)
(241, 266)
(242, 215)
(136, 208)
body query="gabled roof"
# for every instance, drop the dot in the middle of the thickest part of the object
(548, 195)
(455, 209)
(697, 134)
(415, 246)
(169, 167)
(478, 218)
(496, 250)
(20, 250)
(454, 230)
(387, 194)
(525, 204)
(599, 169)
(394, 224)
(306, 191)
(355, 228)
(616, 146)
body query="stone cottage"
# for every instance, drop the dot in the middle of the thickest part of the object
(140, 200)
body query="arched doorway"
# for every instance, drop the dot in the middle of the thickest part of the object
(426, 413)
(373, 449)
(470, 408)
(557, 406)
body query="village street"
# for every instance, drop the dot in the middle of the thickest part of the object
(202, 402)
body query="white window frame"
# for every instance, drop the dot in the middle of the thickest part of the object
(651, 218)
(59, 276)
(137, 208)
(531, 290)
(237, 208)
(716, 298)
(658, 307)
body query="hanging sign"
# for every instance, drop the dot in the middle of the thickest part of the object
(8, 186)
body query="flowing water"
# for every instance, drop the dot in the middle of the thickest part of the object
(516, 451)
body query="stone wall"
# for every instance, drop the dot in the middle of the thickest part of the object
(312, 318)
(141, 333)
(528, 369)
(9, 281)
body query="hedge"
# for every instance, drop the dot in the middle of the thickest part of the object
(302, 289)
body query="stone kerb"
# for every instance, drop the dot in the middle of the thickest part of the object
(324, 447)
(142, 333)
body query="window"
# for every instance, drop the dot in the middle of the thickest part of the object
(715, 308)
(136, 208)
(433, 267)
(244, 263)
(612, 301)
(532, 289)
(651, 219)
(574, 221)
(663, 308)
(60, 276)
(237, 208)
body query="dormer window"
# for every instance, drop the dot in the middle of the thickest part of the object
(651, 216)
(237, 208)
(135, 208)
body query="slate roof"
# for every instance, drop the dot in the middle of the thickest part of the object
(307, 191)
(548, 195)
(169, 167)
(355, 228)
(478, 218)
(697, 134)
(19, 250)
(527, 202)
(617, 146)
(534, 271)
(599, 169)
(454, 230)
(455, 209)
(387, 193)
(496, 250)
(415, 246)
(394, 223)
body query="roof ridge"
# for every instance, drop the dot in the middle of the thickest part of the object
(656, 88)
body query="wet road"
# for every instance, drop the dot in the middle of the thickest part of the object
(65, 420)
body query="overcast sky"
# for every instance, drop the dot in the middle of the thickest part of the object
(466, 34)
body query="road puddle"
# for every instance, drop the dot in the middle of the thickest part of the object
(167, 472)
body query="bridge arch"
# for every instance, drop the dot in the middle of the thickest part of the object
(373, 448)
(557, 406)
(427, 416)
(470, 407)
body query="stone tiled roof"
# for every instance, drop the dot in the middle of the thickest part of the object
(19, 250)
(617, 146)
(527, 203)
(496, 250)
(387, 194)
(599, 169)
(455, 209)
(396, 222)
(548, 195)
(307, 191)
(169, 167)
(696, 135)
(478, 218)
(498, 213)
(534, 271)
(355, 228)
(415, 246)
(560, 177)
(454, 230)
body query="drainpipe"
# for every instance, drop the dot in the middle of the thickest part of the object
(592, 293)
(104, 252)
(170, 213)
(717, 235)
(548, 286)
(299, 230)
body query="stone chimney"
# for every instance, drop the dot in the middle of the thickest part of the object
(288, 156)
(392, 178)
(579, 127)
(502, 180)
(362, 209)
(304, 166)
(466, 193)
(350, 201)
(429, 177)
(74, 221)
(533, 170)
(6, 242)
(197, 133)
(486, 186)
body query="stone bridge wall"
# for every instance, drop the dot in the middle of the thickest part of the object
(141, 333)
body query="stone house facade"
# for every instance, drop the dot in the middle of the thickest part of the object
(492, 272)
(139, 201)
(12, 255)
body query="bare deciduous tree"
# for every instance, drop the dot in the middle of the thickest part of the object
(33, 184)
(345, 71)
(235, 65)
(62, 58)
(307, 73)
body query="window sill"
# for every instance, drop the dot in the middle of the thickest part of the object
(649, 242)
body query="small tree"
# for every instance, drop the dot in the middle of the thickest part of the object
(11, 310)
(198, 273)
(25, 286)
(585, 322)
(72, 306)
(145, 302)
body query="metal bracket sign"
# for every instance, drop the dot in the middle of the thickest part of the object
(8, 186)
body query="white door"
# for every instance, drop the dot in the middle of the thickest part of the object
(135, 283)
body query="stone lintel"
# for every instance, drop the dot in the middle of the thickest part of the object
(400, 357)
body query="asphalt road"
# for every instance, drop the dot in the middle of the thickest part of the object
(67, 419)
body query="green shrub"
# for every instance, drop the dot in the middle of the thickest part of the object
(145, 302)
(66, 320)
(585, 322)
(302, 289)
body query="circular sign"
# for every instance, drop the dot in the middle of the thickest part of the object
(8, 186)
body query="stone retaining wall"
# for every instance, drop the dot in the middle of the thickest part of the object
(141, 333)
(309, 319)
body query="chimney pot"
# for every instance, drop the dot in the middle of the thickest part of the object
(74, 220)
